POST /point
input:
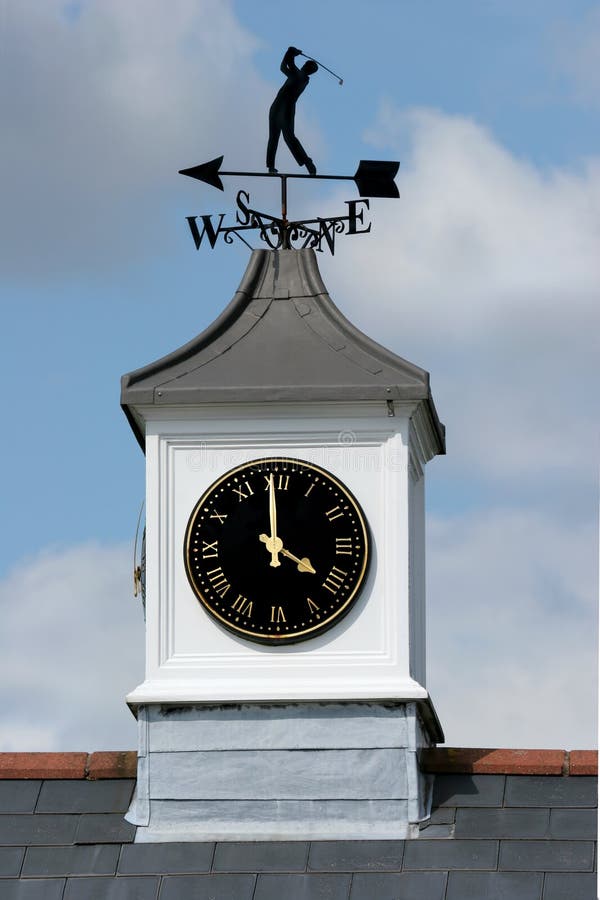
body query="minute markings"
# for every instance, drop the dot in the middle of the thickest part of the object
(307, 547)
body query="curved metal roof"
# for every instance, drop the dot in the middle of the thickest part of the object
(280, 339)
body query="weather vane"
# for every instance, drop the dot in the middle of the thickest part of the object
(373, 178)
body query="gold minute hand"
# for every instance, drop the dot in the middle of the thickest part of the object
(272, 545)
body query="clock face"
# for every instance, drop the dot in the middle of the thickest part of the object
(277, 550)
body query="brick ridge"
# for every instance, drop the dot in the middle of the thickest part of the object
(436, 760)
(488, 761)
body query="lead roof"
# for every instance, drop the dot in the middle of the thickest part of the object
(280, 339)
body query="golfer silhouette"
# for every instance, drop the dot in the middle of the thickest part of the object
(283, 110)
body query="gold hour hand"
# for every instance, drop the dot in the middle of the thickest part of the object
(304, 564)
(276, 546)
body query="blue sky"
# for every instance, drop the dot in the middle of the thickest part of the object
(486, 274)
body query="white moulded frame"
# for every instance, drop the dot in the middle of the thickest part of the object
(377, 651)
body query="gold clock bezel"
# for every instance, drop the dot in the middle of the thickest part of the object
(320, 627)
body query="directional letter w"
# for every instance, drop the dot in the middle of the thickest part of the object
(211, 233)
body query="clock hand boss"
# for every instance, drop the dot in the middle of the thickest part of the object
(275, 543)
(304, 564)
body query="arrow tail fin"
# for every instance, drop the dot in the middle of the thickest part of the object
(375, 178)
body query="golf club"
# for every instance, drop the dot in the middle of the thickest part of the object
(341, 80)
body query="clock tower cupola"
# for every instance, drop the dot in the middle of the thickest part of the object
(285, 688)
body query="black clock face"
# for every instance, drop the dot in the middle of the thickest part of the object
(277, 550)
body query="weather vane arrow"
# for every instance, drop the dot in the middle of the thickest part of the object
(373, 177)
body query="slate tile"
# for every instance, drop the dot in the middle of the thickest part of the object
(37, 829)
(468, 790)
(206, 887)
(423, 854)
(260, 856)
(104, 828)
(36, 889)
(19, 796)
(546, 856)
(302, 887)
(494, 886)
(355, 856)
(574, 824)
(100, 888)
(100, 859)
(502, 823)
(110, 796)
(10, 860)
(443, 815)
(398, 886)
(549, 790)
(166, 859)
(439, 832)
(570, 887)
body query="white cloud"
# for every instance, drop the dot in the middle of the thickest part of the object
(71, 647)
(103, 109)
(487, 273)
(512, 622)
(511, 650)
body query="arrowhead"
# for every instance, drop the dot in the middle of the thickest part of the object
(206, 172)
(375, 178)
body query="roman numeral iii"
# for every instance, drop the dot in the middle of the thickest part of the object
(335, 580)
(343, 546)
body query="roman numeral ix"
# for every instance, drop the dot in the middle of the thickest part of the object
(218, 581)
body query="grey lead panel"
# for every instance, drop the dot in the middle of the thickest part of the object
(286, 727)
(279, 774)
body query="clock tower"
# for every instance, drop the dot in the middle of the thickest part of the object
(285, 691)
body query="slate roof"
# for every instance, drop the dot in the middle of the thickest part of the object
(490, 837)
(281, 339)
